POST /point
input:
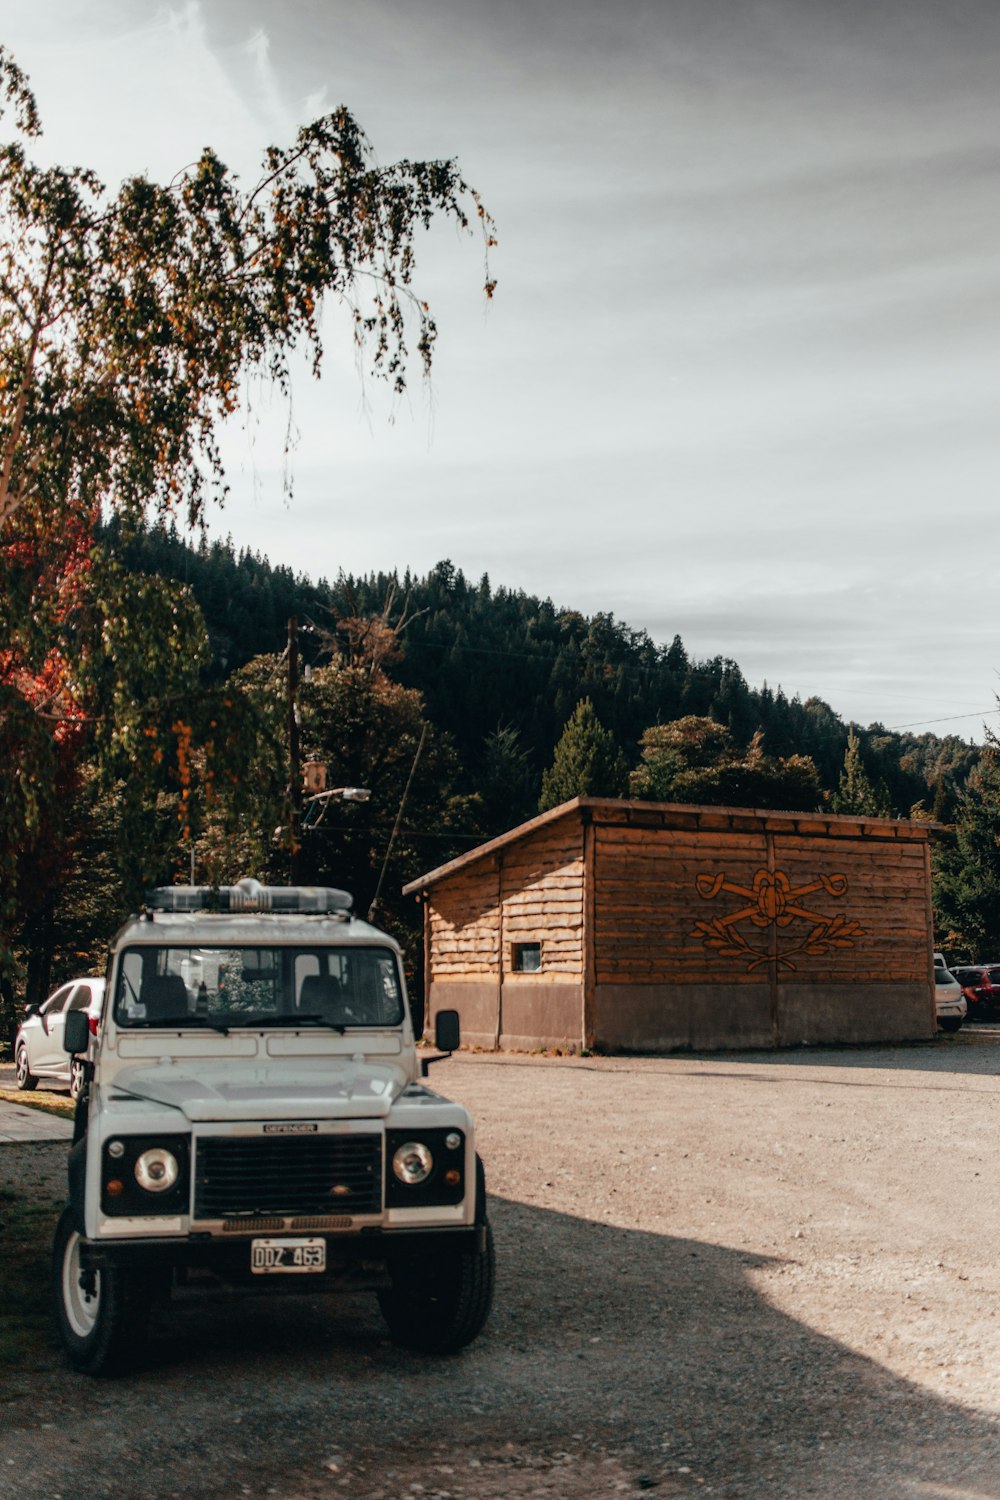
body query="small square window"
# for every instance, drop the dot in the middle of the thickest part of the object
(526, 958)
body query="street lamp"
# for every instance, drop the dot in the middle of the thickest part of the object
(320, 801)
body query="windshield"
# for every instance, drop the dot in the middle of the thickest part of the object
(282, 986)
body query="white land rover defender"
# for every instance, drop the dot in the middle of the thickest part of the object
(254, 1113)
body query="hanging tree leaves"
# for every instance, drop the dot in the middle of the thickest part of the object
(129, 321)
(129, 324)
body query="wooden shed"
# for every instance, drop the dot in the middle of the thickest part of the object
(646, 926)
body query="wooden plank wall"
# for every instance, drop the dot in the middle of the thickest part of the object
(464, 923)
(886, 896)
(543, 899)
(646, 903)
(647, 906)
(542, 883)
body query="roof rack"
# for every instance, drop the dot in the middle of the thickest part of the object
(250, 896)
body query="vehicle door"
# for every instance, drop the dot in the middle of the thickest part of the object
(45, 1049)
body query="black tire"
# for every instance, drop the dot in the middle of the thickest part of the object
(438, 1303)
(24, 1079)
(77, 1078)
(102, 1324)
(950, 1023)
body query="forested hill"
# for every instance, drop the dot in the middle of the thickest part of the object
(488, 659)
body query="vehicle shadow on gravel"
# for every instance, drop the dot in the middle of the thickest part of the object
(656, 1350)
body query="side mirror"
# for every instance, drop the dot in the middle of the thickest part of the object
(447, 1031)
(30, 1010)
(76, 1032)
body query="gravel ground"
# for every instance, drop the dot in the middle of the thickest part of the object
(755, 1275)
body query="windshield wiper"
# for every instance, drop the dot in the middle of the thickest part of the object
(284, 1020)
(181, 1021)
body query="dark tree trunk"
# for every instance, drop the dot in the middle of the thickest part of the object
(40, 939)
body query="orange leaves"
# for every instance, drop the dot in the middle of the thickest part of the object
(209, 775)
(184, 734)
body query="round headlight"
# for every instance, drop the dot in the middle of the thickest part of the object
(412, 1163)
(156, 1170)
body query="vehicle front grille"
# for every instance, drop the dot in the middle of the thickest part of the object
(240, 1176)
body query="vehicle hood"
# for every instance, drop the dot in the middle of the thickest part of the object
(289, 1089)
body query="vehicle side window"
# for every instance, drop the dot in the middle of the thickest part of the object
(56, 1004)
(80, 998)
(129, 985)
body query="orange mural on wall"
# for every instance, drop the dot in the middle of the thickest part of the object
(772, 906)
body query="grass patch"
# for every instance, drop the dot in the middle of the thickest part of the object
(50, 1104)
(27, 1331)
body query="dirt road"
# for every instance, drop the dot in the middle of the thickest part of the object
(764, 1275)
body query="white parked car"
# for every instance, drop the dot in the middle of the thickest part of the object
(38, 1047)
(948, 996)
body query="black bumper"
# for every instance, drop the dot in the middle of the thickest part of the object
(349, 1257)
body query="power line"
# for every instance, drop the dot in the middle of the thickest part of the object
(974, 713)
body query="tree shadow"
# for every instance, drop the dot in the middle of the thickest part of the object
(658, 1350)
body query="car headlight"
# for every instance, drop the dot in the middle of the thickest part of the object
(145, 1174)
(156, 1170)
(412, 1162)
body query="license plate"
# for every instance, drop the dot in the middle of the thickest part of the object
(269, 1257)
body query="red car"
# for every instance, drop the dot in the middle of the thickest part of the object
(981, 988)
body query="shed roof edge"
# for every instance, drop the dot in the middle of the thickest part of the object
(551, 815)
(920, 827)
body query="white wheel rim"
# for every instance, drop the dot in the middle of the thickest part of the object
(22, 1065)
(76, 1080)
(81, 1308)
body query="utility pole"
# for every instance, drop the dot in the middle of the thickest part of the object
(294, 770)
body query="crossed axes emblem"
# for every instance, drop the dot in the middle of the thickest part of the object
(772, 901)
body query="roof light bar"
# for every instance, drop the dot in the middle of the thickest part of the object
(249, 896)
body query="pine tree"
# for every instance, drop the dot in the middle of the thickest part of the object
(856, 792)
(508, 783)
(587, 763)
(967, 873)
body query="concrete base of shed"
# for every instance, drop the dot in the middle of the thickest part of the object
(709, 1017)
(688, 1017)
(667, 1017)
(476, 1003)
(527, 1014)
(824, 1013)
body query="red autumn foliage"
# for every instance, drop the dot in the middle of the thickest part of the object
(49, 574)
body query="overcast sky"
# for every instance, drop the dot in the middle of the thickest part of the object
(741, 377)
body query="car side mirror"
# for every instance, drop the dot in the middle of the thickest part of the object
(447, 1031)
(76, 1032)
